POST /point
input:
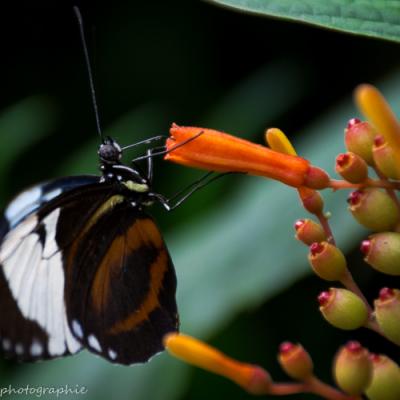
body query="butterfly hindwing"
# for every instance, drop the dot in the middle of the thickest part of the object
(121, 284)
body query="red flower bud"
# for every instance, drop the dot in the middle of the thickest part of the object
(308, 231)
(351, 167)
(359, 137)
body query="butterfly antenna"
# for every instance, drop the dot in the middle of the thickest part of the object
(89, 71)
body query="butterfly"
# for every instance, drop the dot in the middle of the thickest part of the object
(82, 265)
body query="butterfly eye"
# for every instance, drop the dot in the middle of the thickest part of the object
(110, 152)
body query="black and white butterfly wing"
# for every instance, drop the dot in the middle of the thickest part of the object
(86, 268)
(33, 322)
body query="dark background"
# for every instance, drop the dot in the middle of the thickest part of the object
(183, 58)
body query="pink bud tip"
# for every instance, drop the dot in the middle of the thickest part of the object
(352, 122)
(355, 197)
(374, 357)
(379, 141)
(316, 248)
(298, 224)
(386, 293)
(342, 159)
(286, 347)
(365, 246)
(354, 346)
(323, 298)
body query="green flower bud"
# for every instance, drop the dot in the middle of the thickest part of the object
(374, 209)
(359, 138)
(308, 231)
(343, 309)
(327, 261)
(351, 167)
(295, 361)
(384, 158)
(353, 368)
(385, 383)
(387, 313)
(382, 252)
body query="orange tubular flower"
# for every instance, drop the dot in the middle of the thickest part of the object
(218, 151)
(251, 377)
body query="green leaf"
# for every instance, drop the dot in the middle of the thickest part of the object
(375, 18)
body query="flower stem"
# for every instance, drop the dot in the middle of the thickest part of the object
(312, 385)
(351, 285)
(337, 184)
(323, 220)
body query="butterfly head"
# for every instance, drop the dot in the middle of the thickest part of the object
(110, 152)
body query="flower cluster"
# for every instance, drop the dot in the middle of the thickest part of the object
(370, 167)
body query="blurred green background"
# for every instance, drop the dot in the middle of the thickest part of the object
(244, 283)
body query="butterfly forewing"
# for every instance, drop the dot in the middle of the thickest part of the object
(82, 265)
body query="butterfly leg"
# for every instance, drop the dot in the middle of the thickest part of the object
(176, 200)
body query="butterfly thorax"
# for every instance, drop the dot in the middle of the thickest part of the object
(132, 184)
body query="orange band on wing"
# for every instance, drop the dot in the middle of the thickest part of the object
(150, 303)
(142, 233)
(112, 261)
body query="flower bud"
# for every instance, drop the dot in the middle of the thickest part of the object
(351, 167)
(385, 158)
(387, 313)
(316, 178)
(295, 361)
(327, 261)
(311, 199)
(385, 383)
(308, 231)
(353, 368)
(382, 252)
(343, 309)
(359, 138)
(374, 209)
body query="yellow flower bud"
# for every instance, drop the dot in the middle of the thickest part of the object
(295, 361)
(343, 309)
(387, 313)
(353, 368)
(374, 209)
(327, 261)
(382, 252)
(385, 383)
